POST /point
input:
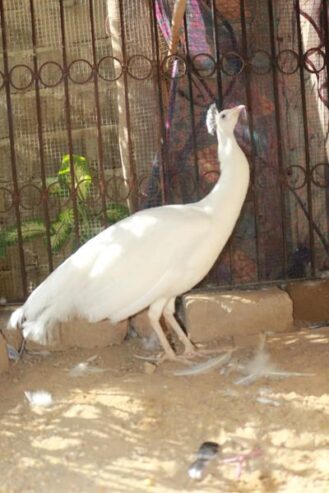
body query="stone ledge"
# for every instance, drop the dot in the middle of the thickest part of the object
(4, 361)
(310, 300)
(212, 315)
(74, 333)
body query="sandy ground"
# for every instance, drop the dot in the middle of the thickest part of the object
(125, 430)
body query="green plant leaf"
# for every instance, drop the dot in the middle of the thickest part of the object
(82, 176)
(61, 229)
(116, 212)
(31, 228)
(88, 229)
(55, 187)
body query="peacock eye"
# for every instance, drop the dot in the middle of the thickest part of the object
(223, 116)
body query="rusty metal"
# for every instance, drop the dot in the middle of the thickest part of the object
(15, 193)
(306, 138)
(41, 140)
(163, 160)
(132, 166)
(279, 137)
(98, 117)
(191, 105)
(68, 124)
(217, 54)
(251, 130)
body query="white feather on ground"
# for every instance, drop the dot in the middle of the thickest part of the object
(39, 398)
(261, 366)
(85, 368)
(205, 366)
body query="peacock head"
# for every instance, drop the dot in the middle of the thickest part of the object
(223, 121)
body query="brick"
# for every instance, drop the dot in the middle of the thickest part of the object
(75, 333)
(310, 300)
(142, 325)
(82, 334)
(13, 337)
(4, 361)
(213, 315)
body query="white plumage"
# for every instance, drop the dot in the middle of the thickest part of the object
(147, 259)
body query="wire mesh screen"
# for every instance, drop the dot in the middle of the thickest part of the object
(102, 112)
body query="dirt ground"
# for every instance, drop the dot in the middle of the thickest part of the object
(125, 430)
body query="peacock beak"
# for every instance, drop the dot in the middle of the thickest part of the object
(241, 110)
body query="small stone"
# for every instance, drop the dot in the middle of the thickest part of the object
(149, 368)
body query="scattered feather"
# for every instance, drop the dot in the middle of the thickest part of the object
(261, 366)
(84, 368)
(205, 366)
(266, 400)
(39, 398)
(151, 343)
(43, 353)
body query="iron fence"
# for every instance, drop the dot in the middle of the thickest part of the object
(102, 116)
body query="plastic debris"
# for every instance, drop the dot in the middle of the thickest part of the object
(241, 459)
(207, 452)
(196, 470)
(39, 398)
(212, 450)
(12, 353)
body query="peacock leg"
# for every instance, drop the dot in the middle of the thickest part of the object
(169, 315)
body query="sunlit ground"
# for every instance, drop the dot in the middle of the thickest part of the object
(127, 431)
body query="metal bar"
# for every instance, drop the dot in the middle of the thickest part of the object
(306, 135)
(163, 150)
(11, 132)
(325, 10)
(134, 195)
(220, 103)
(190, 90)
(98, 116)
(251, 129)
(40, 138)
(279, 134)
(68, 122)
(217, 55)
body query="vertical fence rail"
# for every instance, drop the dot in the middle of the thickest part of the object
(40, 137)
(214, 15)
(163, 144)
(133, 173)
(191, 105)
(68, 123)
(12, 148)
(245, 53)
(279, 136)
(305, 134)
(102, 182)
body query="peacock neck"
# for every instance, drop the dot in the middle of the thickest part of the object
(232, 185)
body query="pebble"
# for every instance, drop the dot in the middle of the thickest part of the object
(149, 368)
